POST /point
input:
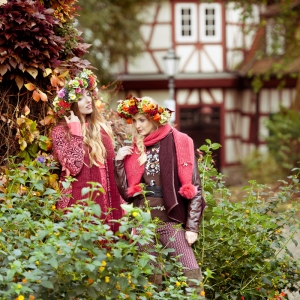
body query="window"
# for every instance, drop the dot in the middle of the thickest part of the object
(186, 22)
(210, 22)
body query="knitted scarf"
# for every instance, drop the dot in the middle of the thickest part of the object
(185, 161)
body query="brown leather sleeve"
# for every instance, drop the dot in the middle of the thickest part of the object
(120, 179)
(196, 205)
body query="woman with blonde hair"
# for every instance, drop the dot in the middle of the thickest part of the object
(163, 159)
(83, 143)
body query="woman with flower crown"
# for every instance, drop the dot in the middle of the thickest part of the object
(84, 145)
(162, 159)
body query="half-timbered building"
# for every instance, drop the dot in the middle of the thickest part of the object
(213, 97)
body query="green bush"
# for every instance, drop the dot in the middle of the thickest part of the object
(243, 245)
(284, 138)
(262, 167)
(46, 254)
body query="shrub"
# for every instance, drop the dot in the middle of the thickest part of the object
(261, 167)
(46, 254)
(284, 138)
(243, 246)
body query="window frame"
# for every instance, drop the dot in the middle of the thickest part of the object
(194, 22)
(218, 22)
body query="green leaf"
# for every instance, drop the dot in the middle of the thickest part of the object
(96, 209)
(53, 262)
(47, 284)
(85, 191)
(266, 280)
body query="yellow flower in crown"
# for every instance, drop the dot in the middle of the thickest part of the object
(131, 106)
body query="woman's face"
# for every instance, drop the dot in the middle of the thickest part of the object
(143, 125)
(85, 104)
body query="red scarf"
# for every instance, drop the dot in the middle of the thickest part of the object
(185, 161)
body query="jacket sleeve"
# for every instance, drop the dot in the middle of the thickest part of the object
(68, 149)
(196, 205)
(121, 180)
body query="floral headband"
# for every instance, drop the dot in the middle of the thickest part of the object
(73, 91)
(127, 108)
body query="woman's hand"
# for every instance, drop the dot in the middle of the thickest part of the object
(191, 237)
(123, 151)
(72, 118)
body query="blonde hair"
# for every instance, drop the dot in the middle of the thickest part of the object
(91, 133)
(139, 141)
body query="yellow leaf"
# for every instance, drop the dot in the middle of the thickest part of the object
(20, 121)
(64, 74)
(32, 71)
(22, 143)
(26, 110)
(47, 72)
(29, 86)
(19, 81)
(36, 96)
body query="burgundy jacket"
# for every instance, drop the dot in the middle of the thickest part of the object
(179, 209)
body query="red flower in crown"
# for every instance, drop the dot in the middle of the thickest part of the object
(92, 81)
(133, 110)
(64, 104)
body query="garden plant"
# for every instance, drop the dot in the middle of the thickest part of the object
(243, 243)
(48, 254)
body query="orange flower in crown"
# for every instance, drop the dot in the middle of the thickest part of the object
(132, 105)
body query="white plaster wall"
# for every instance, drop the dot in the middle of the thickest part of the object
(214, 52)
(217, 95)
(161, 36)
(263, 101)
(148, 14)
(142, 64)
(230, 151)
(286, 97)
(245, 127)
(184, 52)
(182, 96)
(230, 99)
(192, 65)
(164, 14)
(229, 121)
(206, 97)
(234, 36)
(247, 104)
(263, 131)
(234, 58)
(193, 98)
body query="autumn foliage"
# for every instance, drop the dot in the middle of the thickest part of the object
(39, 47)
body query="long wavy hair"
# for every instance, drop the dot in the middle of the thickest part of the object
(91, 133)
(139, 141)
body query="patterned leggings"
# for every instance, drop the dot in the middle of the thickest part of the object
(180, 244)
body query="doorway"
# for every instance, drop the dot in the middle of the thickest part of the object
(201, 123)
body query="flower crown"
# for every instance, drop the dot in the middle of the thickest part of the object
(73, 91)
(127, 108)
